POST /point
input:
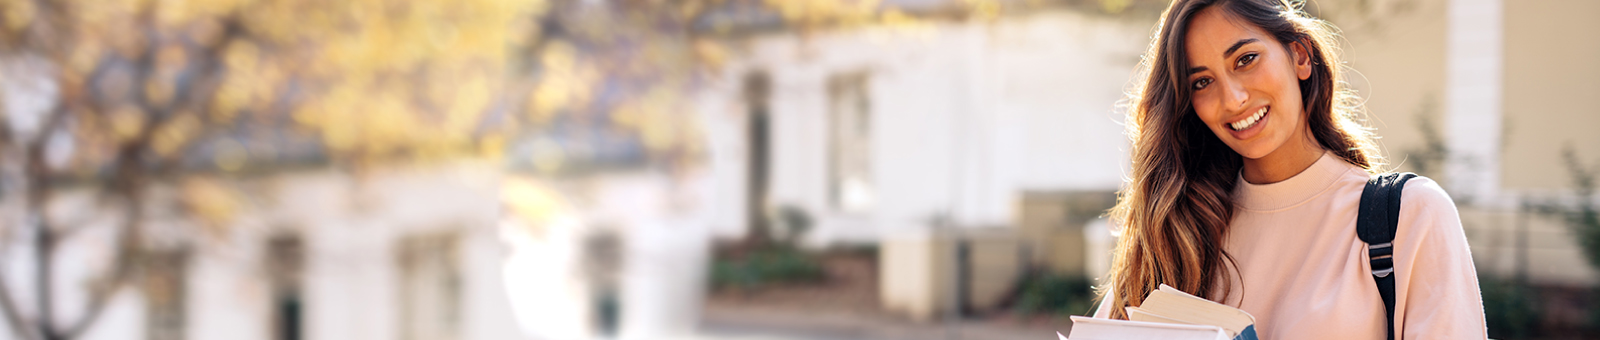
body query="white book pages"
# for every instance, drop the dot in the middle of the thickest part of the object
(1086, 328)
(1136, 314)
(1171, 303)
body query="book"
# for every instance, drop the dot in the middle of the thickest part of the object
(1169, 314)
(1087, 328)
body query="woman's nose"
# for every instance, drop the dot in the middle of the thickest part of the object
(1234, 95)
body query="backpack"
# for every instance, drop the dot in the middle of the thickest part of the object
(1376, 221)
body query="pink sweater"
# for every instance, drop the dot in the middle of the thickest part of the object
(1305, 274)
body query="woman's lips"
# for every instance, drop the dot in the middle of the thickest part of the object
(1254, 128)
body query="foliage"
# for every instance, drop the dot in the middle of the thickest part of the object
(1584, 217)
(771, 258)
(795, 224)
(775, 265)
(1511, 309)
(1430, 158)
(1048, 293)
(368, 79)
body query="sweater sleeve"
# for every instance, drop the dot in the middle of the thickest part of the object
(1436, 287)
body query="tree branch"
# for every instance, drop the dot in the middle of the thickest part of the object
(12, 313)
(131, 174)
(121, 269)
(37, 174)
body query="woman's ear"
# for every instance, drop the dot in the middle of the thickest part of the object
(1302, 60)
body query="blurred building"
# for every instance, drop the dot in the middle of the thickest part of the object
(396, 253)
(617, 255)
(881, 130)
(1485, 95)
(926, 139)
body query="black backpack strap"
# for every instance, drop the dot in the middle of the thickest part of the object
(1376, 222)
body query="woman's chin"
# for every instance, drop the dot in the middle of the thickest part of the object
(1252, 151)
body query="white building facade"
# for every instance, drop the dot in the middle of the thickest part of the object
(881, 131)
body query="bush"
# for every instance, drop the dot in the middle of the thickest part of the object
(1584, 219)
(1055, 294)
(766, 266)
(1510, 308)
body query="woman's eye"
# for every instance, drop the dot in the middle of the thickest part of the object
(1201, 83)
(1246, 60)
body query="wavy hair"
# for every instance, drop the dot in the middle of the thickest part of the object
(1176, 207)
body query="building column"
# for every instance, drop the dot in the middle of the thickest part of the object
(1474, 81)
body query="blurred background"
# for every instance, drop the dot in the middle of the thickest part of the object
(692, 169)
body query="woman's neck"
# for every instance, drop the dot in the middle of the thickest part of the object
(1294, 156)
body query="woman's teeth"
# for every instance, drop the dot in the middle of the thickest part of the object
(1248, 122)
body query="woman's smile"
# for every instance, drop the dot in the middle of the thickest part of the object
(1249, 126)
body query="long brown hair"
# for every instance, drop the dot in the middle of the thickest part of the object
(1178, 202)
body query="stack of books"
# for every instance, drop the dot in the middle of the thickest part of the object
(1169, 314)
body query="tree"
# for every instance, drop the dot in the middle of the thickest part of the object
(119, 98)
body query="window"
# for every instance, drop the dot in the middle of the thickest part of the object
(602, 259)
(850, 143)
(757, 96)
(430, 284)
(285, 265)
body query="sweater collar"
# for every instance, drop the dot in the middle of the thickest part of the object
(1301, 187)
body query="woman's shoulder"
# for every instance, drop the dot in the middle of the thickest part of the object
(1420, 192)
(1424, 193)
(1427, 213)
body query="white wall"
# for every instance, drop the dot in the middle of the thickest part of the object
(965, 117)
(351, 266)
(661, 222)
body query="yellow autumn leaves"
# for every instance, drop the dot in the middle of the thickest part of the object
(383, 79)
(369, 78)
(413, 78)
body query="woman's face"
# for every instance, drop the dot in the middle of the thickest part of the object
(1245, 84)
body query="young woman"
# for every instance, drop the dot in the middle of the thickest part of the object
(1248, 168)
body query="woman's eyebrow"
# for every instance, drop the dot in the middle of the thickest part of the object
(1225, 54)
(1236, 47)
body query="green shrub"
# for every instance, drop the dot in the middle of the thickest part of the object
(1584, 218)
(766, 266)
(1055, 294)
(1511, 309)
